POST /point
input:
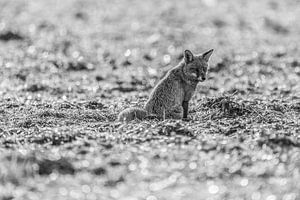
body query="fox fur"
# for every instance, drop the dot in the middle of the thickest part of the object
(170, 97)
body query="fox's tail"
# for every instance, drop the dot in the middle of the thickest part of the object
(130, 114)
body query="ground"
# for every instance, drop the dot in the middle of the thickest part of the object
(69, 67)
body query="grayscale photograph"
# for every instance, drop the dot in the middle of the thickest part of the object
(149, 100)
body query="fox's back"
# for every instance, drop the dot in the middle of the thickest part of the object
(168, 92)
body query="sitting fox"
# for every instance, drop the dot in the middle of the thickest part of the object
(170, 97)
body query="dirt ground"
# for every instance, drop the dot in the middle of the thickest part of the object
(67, 68)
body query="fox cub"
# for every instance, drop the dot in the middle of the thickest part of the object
(170, 97)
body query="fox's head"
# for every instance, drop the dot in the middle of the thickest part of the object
(196, 66)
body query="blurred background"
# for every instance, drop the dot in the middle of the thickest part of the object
(73, 47)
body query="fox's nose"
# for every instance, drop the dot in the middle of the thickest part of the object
(203, 78)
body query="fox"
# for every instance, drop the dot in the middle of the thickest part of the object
(170, 97)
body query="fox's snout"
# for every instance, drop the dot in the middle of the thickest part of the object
(201, 78)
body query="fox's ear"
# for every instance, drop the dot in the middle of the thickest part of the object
(188, 56)
(207, 55)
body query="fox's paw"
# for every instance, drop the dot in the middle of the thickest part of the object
(187, 119)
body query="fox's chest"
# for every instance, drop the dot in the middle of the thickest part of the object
(188, 92)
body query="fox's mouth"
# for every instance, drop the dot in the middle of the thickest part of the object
(198, 78)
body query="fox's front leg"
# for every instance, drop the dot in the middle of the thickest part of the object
(185, 106)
